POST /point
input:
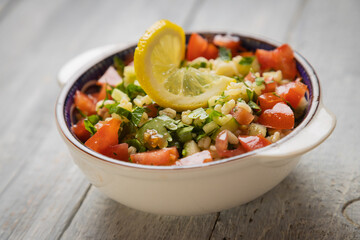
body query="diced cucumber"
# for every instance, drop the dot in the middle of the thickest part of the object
(209, 127)
(190, 148)
(118, 95)
(222, 120)
(129, 75)
(232, 125)
(256, 129)
(184, 134)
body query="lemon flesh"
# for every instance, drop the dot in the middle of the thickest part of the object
(157, 62)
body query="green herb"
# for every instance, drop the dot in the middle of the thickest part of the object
(215, 114)
(119, 65)
(250, 94)
(203, 65)
(81, 113)
(121, 87)
(225, 54)
(220, 100)
(254, 105)
(126, 128)
(182, 63)
(89, 123)
(259, 81)
(246, 60)
(239, 79)
(94, 119)
(184, 134)
(133, 90)
(136, 144)
(156, 124)
(276, 95)
(114, 108)
(136, 115)
(168, 122)
(198, 113)
(246, 85)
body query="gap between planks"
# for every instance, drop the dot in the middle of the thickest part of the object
(74, 212)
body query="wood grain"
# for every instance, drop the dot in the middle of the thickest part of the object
(102, 218)
(308, 204)
(43, 195)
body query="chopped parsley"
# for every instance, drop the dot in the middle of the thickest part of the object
(225, 54)
(246, 60)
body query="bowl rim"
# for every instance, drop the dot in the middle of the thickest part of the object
(67, 134)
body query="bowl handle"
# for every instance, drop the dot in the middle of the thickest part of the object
(317, 130)
(90, 57)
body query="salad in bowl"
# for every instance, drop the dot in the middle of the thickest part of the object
(174, 105)
(186, 124)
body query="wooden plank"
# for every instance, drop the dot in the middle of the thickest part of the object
(309, 203)
(102, 218)
(266, 18)
(40, 188)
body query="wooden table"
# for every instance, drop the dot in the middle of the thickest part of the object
(43, 195)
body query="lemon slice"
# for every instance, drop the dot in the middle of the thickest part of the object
(157, 62)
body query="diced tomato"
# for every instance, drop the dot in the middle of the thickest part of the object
(246, 54)
(270, 85)
(80, 131)
(118, 151)
(105, 136)
(101, 95)
(211, 52)
(292, 92)
(165, 156)
(84, 103)
(250, 77)
(269, 100)
(251, 143)
(221, 144)
(151, 110)
(279, 117)
(196, 47)
(241, 115)
(227, 41)
(111, 77)
(282, 58)
(196, 158)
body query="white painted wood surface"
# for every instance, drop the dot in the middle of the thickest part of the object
(44, 196)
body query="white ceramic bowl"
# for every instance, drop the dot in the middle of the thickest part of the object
(190, 190)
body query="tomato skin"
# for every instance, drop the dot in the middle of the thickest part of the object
(151, 110)
(246, 54)
(279, 117)
(105, 136)
(270, 85)
(118, 151)
(84, 103)
(251, 143)
(250, 77)
(282, 58)
(80, 131)
(162, 157)
(101, 95)
(196, 158)
(241, 115)
(211, 52)
(229, 42)
(111, 77)
(221, 144)
(292, 92)
(269, 100)
(196, 47)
